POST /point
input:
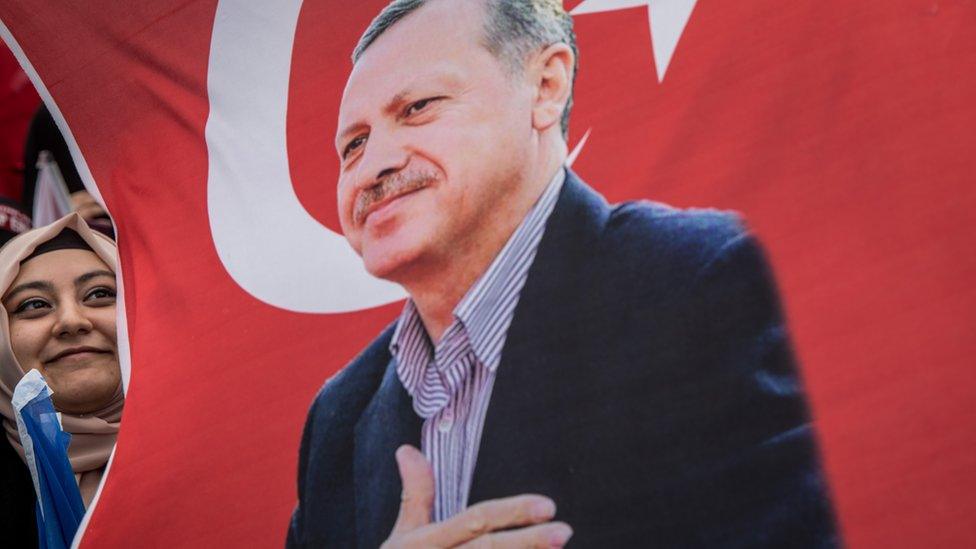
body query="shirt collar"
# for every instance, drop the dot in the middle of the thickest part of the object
(411, 347)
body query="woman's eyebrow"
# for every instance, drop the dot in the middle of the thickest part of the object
(93, 274)
(35, 285)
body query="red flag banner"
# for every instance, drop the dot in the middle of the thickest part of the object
(842, 131)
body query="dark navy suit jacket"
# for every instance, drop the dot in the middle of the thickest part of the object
(646, 385)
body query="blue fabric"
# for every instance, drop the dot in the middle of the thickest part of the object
(59, 507)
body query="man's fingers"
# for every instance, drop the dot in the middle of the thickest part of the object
(418, 489)
(477, 521)
(492, 515)
(540, 536)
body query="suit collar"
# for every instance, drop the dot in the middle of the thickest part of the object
(529, 387)
(387, 423)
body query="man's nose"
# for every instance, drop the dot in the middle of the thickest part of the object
(71, 320)
(384, 155)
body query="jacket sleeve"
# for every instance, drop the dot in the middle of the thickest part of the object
(296, 527)
(759, 480)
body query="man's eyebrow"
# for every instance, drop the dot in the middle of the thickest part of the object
(34, 285)
(392, 107)
(93, 274)
(344, 134)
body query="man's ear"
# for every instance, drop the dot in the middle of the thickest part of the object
(552, 74)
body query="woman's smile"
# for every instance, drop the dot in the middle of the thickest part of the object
(77, 355)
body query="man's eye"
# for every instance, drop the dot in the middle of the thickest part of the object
(33, 304)
(353, 145)
(418, 106)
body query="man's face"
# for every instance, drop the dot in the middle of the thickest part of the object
(433, 135)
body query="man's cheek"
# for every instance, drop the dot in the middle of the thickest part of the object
(345, 215)
(354, 240)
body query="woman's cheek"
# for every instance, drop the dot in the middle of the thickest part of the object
(106, 324)
(26, 343)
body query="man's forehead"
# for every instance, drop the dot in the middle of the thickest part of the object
(437, 18)
(425, 34)
(369, 94)
(431, 46)
(424, 48)
(401, 79)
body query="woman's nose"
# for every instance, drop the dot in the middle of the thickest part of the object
(71, 320)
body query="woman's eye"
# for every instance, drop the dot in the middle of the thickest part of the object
(100, 294)
(31, 305)
(353, 145)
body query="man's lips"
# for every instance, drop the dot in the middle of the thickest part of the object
(388, 190)
(75, 351)
(375, 206)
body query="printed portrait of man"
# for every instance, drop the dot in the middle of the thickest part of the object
(564, 370)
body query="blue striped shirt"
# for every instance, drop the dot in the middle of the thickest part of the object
(450, 384)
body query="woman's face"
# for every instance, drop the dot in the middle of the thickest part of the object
(61, 309)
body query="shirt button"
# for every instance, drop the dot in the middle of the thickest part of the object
(445, 425)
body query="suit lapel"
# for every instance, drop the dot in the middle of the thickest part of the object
(387, 423)
(530, 413)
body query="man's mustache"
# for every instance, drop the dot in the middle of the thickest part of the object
(391, 186)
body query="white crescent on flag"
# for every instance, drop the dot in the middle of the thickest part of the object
(289, 260)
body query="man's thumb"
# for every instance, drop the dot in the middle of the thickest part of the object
(417, 501)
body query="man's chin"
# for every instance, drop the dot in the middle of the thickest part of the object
(388, 263)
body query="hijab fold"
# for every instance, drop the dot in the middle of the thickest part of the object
(93, 435)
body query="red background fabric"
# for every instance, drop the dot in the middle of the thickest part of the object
(843, 131)
(18, 101)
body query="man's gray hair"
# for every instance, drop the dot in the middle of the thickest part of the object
(514, 29)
